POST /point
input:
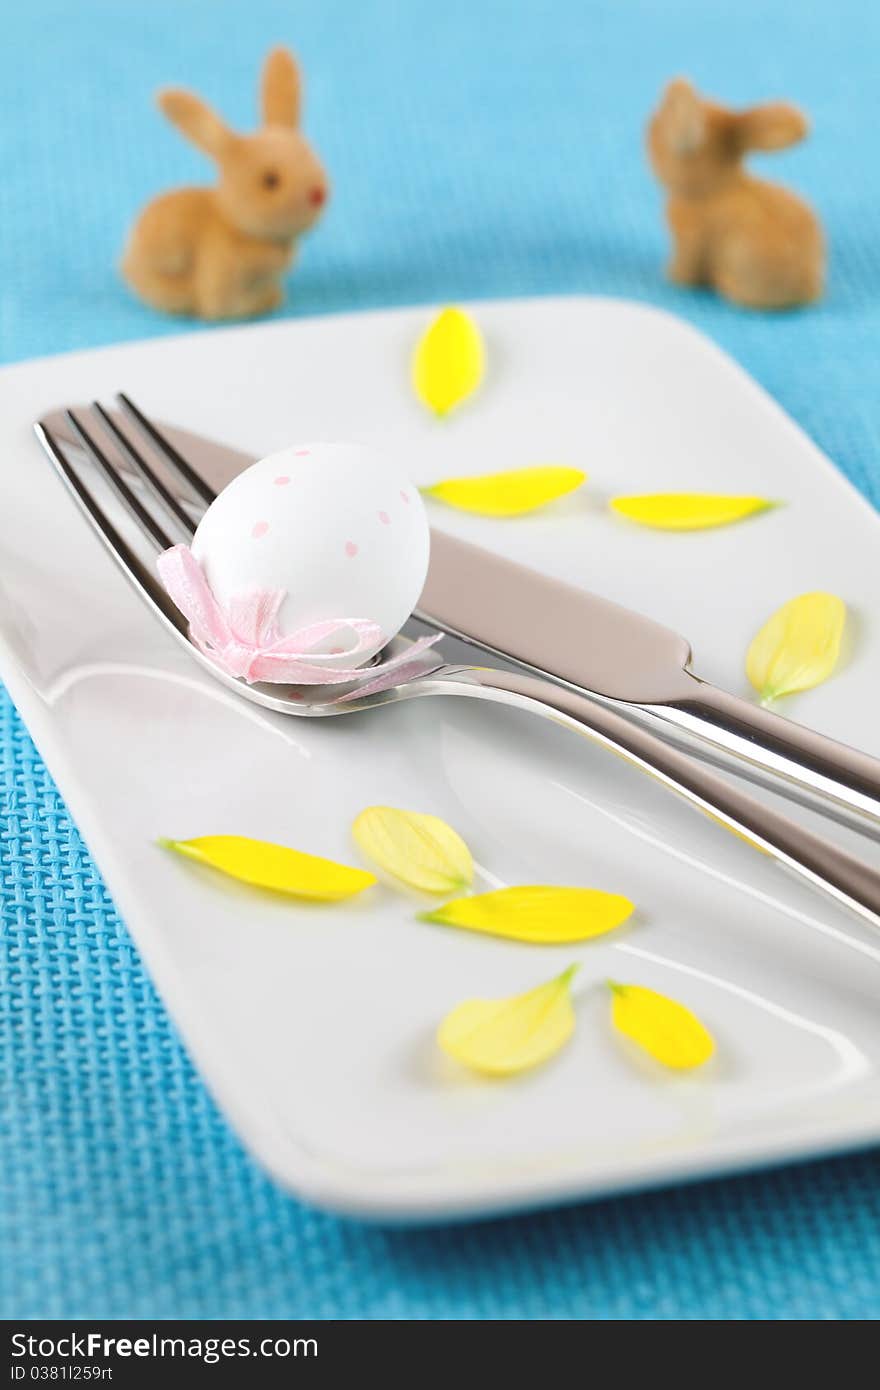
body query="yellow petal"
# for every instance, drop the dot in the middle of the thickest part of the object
(665, 1029)
(513, 493)
(687, 511)
(423, 851)
(449, 361)
(503, 1036)
(798, 647)
(549, 916)
(274, 866)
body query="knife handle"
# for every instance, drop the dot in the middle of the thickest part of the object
(849, 880)
(827, 776)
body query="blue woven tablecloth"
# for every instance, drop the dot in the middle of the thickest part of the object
(478, 148)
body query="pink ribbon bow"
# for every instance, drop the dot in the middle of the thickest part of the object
(245, 640)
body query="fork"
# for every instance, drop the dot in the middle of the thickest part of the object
(121, 446)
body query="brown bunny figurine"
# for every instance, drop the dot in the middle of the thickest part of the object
(221, 252)
(753, 241)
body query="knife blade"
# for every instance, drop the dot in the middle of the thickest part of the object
(550, 626)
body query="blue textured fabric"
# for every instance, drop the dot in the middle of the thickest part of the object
(478, 148)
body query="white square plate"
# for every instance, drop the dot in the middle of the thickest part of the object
(313, 1026)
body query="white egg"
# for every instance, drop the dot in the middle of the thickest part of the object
(338, 527)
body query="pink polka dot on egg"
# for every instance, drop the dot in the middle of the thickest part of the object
(259, 530)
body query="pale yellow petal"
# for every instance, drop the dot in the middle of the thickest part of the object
(504, 1036)
(513, 493)
(798, 647)
(687, 511)
(421, 850)
(275, 867)
(549, 916)
(449, 361)
(666, 1030)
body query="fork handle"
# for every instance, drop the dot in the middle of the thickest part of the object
(851, 881)
(819, 772)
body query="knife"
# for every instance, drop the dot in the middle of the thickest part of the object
(620, 658)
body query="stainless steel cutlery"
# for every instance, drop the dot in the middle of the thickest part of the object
(586, 664)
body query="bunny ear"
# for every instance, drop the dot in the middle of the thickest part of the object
(685, 116)
(196, 120)
(773, 126)
(282, 89)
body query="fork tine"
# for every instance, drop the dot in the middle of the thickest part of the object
(145, 520)
(131, 565)
(172, 456)
(150, 477)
